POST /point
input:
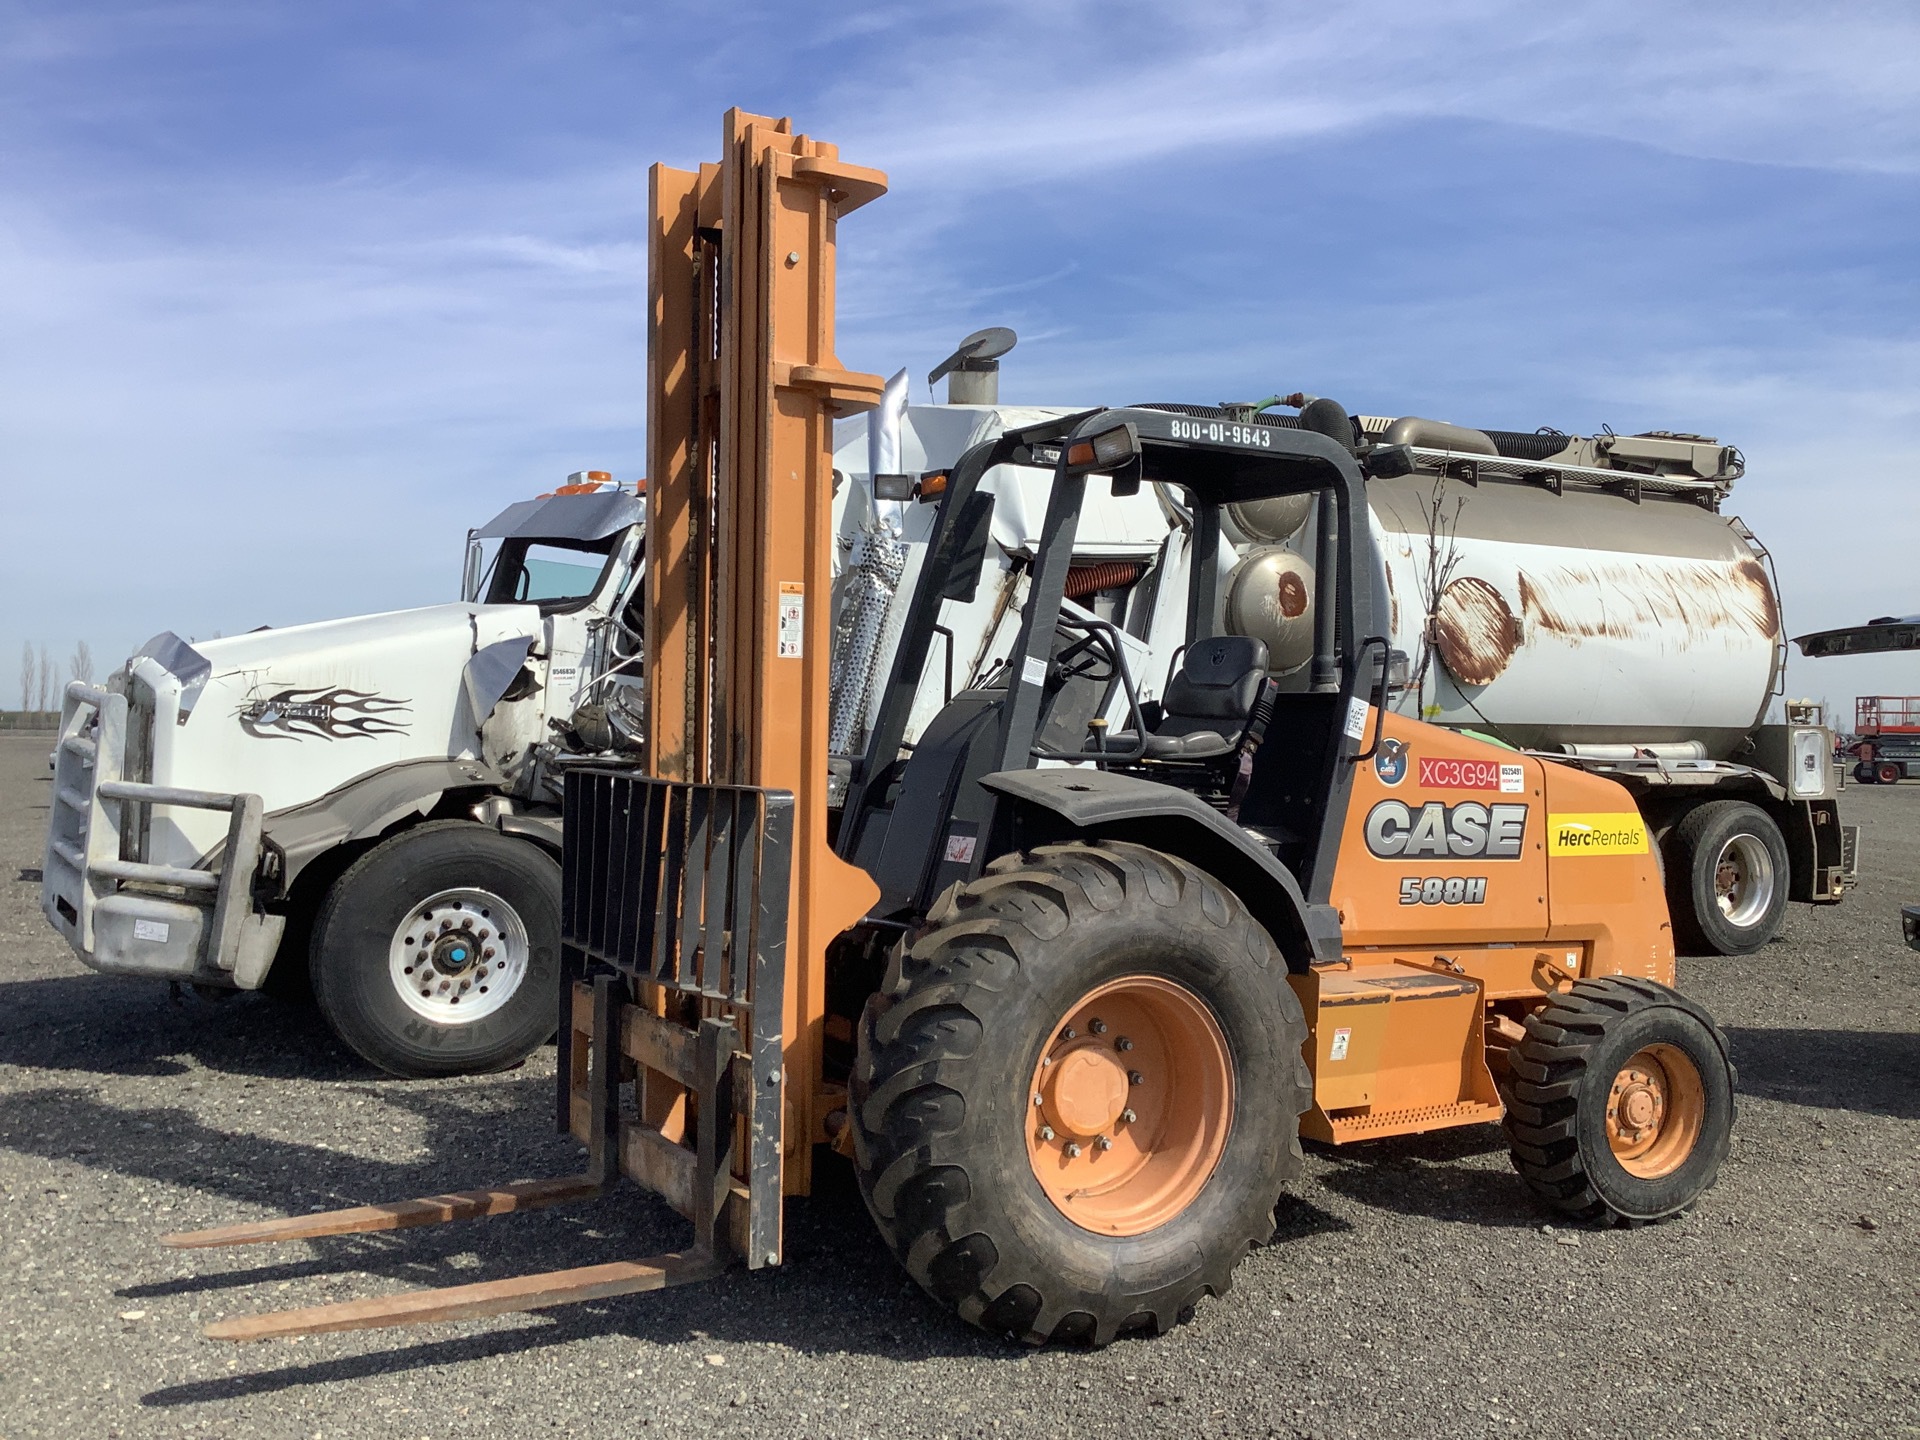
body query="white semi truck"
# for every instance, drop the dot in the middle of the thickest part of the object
(374, 800)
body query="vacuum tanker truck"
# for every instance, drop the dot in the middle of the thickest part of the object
(1584, 600)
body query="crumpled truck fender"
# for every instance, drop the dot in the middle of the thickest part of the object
(368, 805)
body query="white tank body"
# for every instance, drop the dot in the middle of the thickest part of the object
(1578, 618)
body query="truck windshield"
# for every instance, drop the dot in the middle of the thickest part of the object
(550, 573)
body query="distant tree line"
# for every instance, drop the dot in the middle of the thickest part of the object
(40, 686)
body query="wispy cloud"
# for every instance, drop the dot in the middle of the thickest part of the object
(294, 293)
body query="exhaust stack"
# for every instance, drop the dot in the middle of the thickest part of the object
(973, 370)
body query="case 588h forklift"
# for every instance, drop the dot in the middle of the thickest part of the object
(1069, 993)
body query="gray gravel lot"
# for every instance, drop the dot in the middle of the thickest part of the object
(1415, 1290)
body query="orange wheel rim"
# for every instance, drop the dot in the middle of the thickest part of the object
(1130, 1106)
(1656, 1111)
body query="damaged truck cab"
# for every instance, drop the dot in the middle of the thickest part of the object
(370, 803)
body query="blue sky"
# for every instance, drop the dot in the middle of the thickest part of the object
(290, 294)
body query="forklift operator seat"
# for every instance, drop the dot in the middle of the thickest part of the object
(1209, 702)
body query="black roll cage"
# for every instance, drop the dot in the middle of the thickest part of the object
(1217, 463)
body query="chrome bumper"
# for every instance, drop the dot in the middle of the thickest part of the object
(127, 917)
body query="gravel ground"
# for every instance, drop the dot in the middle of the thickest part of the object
(1415, 1290)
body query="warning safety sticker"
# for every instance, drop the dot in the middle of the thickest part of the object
(793, 619)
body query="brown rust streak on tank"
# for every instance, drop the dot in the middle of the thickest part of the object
(1475, 631)
(1692, 600)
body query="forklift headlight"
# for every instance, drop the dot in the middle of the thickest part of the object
(1109, 450)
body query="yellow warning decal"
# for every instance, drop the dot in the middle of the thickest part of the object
(1624, 833)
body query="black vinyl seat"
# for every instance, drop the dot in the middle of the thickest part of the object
(1208, 703)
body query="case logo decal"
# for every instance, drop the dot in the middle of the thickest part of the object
(1438, 831)
(323, 713)
(1624, 833)
(1391, 763)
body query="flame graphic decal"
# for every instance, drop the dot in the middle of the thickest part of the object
(324, 713)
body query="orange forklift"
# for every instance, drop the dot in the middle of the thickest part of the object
(1069, 978)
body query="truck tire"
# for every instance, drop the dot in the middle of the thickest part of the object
(1887, 773)
(1864, 773)
(1621, 1107)
(1096, 1029)
(437, 951)
(1727, 876)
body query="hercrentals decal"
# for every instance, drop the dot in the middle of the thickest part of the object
(1439, 831)
(1622, 833)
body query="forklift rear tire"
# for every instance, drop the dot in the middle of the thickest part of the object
(1076, 1098)
(1622, 1101)
(437, 951)
(1727, 874)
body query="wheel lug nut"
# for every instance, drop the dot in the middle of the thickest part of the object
(1046, 1132)
(1073, 1151)
(1036, 1099)
(1123, 1043)
(486, 952)
(1128, 1116)
(1134, 1077)
(1098, 1027)
(1069, 1033)
(1104, 1143)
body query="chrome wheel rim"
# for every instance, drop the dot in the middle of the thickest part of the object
(458, 956)
(1743, 880)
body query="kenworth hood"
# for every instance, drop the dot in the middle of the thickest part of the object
(290, 714)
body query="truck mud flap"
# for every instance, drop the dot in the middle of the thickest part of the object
(673, 930)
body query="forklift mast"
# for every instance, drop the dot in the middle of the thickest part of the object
(743, 388)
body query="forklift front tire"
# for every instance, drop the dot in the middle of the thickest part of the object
(1622, 1101)
(1077, 1095)
(437, 951)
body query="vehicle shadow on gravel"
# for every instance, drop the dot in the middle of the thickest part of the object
(113, 1026)
(1876, 1072)
(1422, 1175)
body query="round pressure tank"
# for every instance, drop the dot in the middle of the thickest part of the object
(1270, 598)
(1575, 617)
(1270, 521)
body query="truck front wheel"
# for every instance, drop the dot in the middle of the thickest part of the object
(437, 952)
(1077, 1095)
(1727, 876)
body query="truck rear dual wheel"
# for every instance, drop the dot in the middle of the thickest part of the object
(1622, 1101)
(1076, 1099)
(1727, 876)
(437, 951)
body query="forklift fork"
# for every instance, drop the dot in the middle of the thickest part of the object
(692, 925)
